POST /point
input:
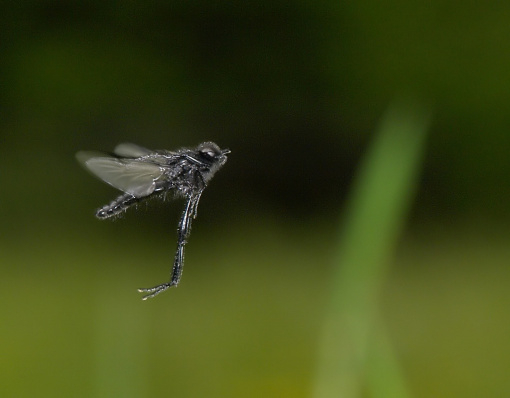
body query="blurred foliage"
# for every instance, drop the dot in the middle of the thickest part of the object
(296, 91)
(352, 340)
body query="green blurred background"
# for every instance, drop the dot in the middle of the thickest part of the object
(298, 91)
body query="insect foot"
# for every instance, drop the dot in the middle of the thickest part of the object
(154, 291)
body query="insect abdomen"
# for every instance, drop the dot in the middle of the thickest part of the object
(117, 206)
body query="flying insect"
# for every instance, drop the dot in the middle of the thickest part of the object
(141, 173)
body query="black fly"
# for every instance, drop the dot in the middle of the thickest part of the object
(141, 174)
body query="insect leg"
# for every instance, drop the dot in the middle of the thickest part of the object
(200, 184)
(182, 234)
(196, 199)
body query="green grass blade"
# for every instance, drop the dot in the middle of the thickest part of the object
(375, 215)
(383, 372)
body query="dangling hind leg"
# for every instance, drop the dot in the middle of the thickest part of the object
(183, 233)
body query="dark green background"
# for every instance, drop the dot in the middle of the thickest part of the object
(296, 91)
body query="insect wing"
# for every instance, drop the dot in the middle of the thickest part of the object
(131, 176)
(128, 150)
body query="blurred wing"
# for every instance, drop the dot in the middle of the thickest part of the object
(128, 150)
(131, 176)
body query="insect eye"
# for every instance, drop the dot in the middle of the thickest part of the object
(208, 154)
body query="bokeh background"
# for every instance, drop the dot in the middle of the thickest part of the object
(298, 91)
